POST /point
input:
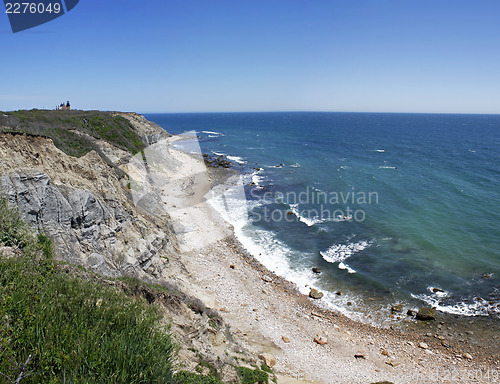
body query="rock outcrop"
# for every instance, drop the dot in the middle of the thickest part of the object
(84, 206)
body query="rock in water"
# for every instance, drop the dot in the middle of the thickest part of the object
(426, 313)
(315, 294)
(268, 359)
(316, 270)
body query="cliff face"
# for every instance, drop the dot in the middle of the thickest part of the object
(83, 204)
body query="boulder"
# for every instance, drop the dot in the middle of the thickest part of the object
(315, 294)
(316, 270)
(426, 313)
(268, 359)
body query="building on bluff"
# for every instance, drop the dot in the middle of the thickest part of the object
(64, 107)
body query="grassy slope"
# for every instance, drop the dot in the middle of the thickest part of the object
(58, 125)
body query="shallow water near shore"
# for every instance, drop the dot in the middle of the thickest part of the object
(392, 208)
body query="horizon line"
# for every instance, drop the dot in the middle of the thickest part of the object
(274, 111)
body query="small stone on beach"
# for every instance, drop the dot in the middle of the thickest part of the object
(423, 345)
(268, 359)
(320, 340)
(285, 339)
(397, 308)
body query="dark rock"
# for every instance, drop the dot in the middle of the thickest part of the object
(426, 313)
(316, 270)
(411, 312)
(487, 276)
(397, 308)
(435, 290)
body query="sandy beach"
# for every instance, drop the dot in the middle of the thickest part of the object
(266, 314)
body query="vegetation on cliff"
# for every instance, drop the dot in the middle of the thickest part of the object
(62, 127)
(58, 326)
(67, 329)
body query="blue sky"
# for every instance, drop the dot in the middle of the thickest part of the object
(260, 55)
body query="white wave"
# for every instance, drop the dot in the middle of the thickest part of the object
(237, 159)
(213, 133)
(218, 153)
(380, 150)
(296, 165)
(474, 308)
(438, 292)
(256, 178)
(340, 218)
(294, 208)
(273, 254)
(338, 253)
(387, 167)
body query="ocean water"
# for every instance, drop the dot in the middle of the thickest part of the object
(392, 208)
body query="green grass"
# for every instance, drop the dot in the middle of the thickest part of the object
(58, 125)
(253, 376)
(75, 330)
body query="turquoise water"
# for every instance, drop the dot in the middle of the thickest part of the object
(391, 207)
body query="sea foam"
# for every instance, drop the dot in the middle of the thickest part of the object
(338, 253)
